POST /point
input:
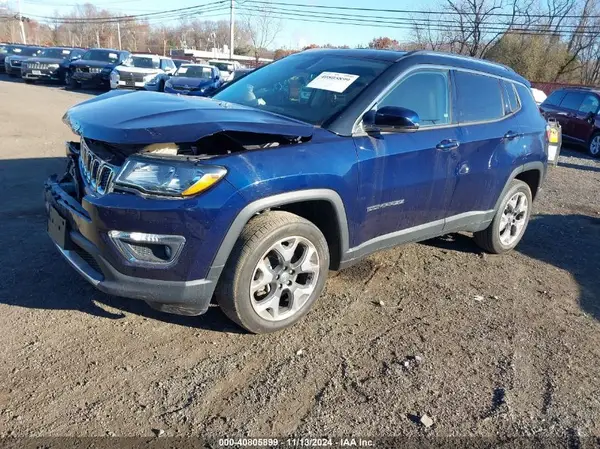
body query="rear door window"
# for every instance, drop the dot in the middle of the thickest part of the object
(478, 97)
(572, 100)
(426, 93)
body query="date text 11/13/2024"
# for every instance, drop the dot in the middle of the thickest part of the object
(295, 442)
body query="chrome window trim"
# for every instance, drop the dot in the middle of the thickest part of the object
(357, 127)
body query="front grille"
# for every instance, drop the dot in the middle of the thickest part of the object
(188, 88)
(97, 173)
(88, 69)
(36, 66)
(131, 77)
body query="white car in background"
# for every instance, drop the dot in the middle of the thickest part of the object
(538, 95)
(140, 69)
(226, 68)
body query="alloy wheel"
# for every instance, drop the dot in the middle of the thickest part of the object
(595, 145)
(284, 278)
(513, 219)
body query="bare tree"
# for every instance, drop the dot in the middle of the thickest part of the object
(478, 25)
(262, 27)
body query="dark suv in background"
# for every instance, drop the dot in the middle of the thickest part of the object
(14, 61)
(50, 65)
(576, 109)
(94, 67)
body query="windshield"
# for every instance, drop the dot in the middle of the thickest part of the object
(24, 51)
(194, 71)
(308, 87)
(142, 62)
(222, 66)
(101, 55)
(55, 53)
(239, 73)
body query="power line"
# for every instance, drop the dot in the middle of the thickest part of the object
(421, 22)
(411, 11)
(162, 14)
(363, 22)
(413, 25)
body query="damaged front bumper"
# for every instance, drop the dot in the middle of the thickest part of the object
(80, 226)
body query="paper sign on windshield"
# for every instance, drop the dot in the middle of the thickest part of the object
(333, 81)
(66, 52)
(182, 70)
(113, 55)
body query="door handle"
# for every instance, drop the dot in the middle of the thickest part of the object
(512, 135)
(448, 145)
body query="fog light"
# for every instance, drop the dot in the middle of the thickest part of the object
(144, 249)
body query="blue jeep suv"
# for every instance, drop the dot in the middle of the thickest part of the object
(303, 166)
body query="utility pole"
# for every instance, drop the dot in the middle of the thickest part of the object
(119, 34)
(231, 30)
(23, 37)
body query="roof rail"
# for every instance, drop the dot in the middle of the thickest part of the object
(457, 56)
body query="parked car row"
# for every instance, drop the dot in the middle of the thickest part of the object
(115, 69)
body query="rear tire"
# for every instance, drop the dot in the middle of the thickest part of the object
(28, 81)
(593, 147)
(510, 222)
(276, 271)
(161, 86)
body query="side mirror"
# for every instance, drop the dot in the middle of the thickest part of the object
(75, 58)
(391, 119)
(590, 115)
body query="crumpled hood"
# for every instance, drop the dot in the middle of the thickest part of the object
(143, 117)
(189, 81)
(91, 63)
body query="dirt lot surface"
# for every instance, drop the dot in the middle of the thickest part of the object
(484, 345)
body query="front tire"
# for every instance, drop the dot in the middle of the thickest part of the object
(594, 145)
(510, 222)
(70, 82)
(27, 81)
(276, 271)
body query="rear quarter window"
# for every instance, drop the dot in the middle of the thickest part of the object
(511, 99)
(478, 97)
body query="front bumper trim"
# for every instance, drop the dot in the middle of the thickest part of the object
(182, 297)
(81, 266)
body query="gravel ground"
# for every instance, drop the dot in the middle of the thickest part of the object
(484, 345)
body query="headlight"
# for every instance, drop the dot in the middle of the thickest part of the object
(168, 83)
(168, 178)
(53, 66)
(149, 78)
(115, 76)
